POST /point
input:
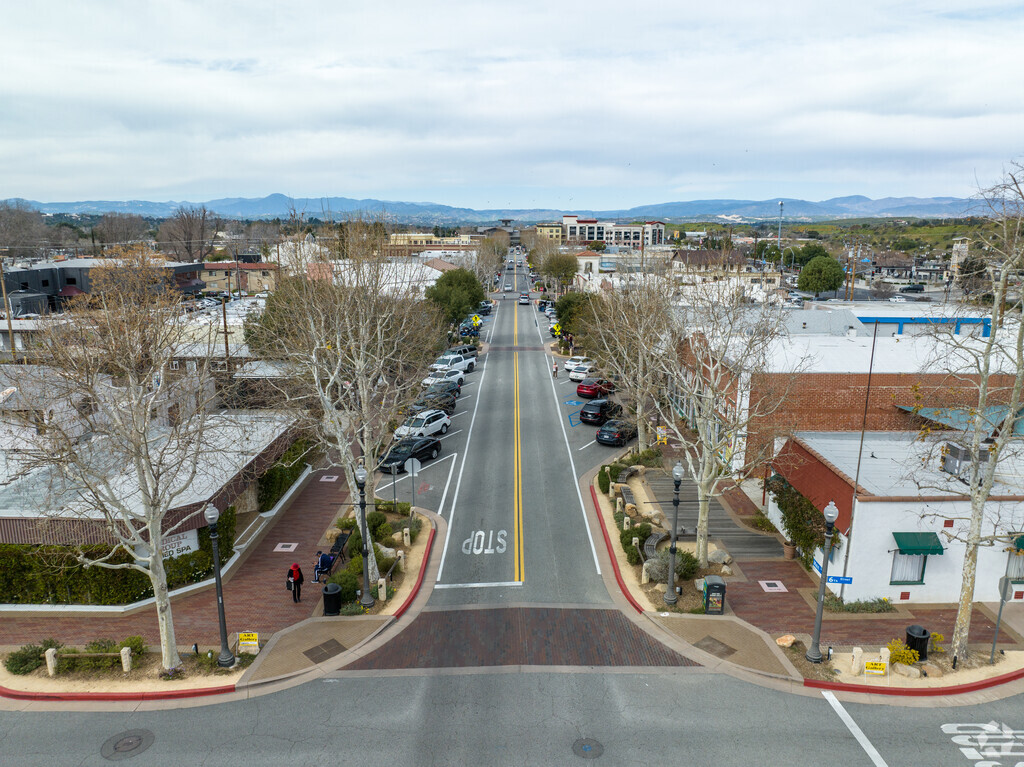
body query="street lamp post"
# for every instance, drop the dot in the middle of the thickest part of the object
(366, 598)
(831, 515)
(779, 242)
(226, 659)
(670, 592)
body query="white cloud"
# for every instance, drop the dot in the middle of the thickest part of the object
(533, 104)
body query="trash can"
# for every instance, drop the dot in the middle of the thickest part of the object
(714, 595)
(917, 639)
(332, 599)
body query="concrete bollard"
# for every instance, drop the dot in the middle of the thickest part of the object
(619, 506)
(406, 538)
(626, 523)
(857, 664)
(382, 590)
(51, 661)
(401, 561)
(126, 659)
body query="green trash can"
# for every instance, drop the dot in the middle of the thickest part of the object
(714, 595)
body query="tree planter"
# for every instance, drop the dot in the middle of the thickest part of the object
(788, 550)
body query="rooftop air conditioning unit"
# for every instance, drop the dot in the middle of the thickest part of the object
(956, 459)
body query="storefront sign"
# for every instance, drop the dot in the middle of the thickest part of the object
(180, 543)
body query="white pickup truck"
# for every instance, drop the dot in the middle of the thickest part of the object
(454, 362)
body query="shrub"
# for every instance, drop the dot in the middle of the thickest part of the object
(282, 475)
(374, 520)
(28, 658)
(351, 608)
(388, 507)
(619, 517)
(614, 470)
(355, 542)
(834, 604)
(137, 645)
(355, 565)
(933, 642)
(414, 524)
(349, 583)
(651, 457)
(385, 564)
(686, 566)
(900, 653)
(760, 522)
(384, 532)
(804, 524)
(99, 664)
(641, 531)
(604, 482)
(348, 523)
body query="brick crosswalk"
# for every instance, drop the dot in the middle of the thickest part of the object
(255, 597)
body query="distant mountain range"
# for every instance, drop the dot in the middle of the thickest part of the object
(279, 205)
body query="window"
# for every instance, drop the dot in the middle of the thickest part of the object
(174, 364)
(907, 568)
(1015, 567)
(72, 280)
(46, 283)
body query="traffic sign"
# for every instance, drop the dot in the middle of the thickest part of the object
(844, 579)
(476, 320)
(413, 466)
(557, 328)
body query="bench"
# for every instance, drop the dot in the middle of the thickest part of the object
(651, 544)
(337, 553)
(627, 495)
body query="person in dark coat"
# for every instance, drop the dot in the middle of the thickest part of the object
(295, 579)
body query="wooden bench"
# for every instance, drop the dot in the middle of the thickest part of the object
(627, 495)
(651, 544)
(337, 553)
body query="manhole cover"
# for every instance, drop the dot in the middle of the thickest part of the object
(587, 748)
(127, 744)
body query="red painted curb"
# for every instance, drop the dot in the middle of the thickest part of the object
(918, 691)
(419, 579)
(611, 553)
(115, 696)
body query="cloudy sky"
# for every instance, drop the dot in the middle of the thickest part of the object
(522, 104)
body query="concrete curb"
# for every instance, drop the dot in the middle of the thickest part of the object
(611, 553)
(918, 692)
(195, 692)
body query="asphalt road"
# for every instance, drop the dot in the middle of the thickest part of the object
(506, 482)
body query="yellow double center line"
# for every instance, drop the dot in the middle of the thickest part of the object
(517, 481)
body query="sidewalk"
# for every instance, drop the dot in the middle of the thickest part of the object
(255, 597)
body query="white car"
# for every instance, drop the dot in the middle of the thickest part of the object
(441, 376)
(424, 424)
(897, 300)
(574, 361)
(580, 372)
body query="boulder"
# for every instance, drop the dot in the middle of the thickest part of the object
(726, 570)
(631, 509)
(386, 552)
(785, 641)
(719, 557)
(931, 669)
(397, 537)
(911, 672)
(699, 585)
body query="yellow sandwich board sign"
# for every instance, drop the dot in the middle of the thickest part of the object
(249, 641)
(875, 667)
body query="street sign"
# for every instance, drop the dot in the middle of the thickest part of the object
(845, 579)
(817, 567)
(1005, 588)
(476, 320)
(557, 328)
(413, 466)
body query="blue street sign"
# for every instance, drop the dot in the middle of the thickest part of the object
(817, 567)
(840, 579)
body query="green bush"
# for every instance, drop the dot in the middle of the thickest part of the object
(137, 645)
(99, 664)
(355, 565)
(348, 523)
(414, 524)
(804, 524)
(603, 480)
(374, 520)
(641, 531)
(760, 522)
(28, 658)
(384, 532)
(686, 566)
(282, 475)
(389, 507)
(386, 563)
(355, 542)
(351, 608)
(834, 604)
(614, 470)
(651, 458)
(619, 516)
(349, 583)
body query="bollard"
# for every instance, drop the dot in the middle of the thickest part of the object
(382, 590)
(406, 538)
(401, 561)
(857, 663)
(126, 659)
(51, 661)
(627, 523)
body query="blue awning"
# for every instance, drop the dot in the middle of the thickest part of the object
(962, 419)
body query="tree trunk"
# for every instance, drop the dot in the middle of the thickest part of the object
(958, 644)
(168, 644)
(703, 505)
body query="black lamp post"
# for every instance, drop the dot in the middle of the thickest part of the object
(226, 659)
(366, 598)
(831, 515)
(670, 592)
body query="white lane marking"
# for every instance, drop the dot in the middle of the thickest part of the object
(405, 475)
(458, 483)
(447, 484)
(451, 434)
(586, 445)
(456, 415)
(572, 463)
(475, 585)
(870, 750)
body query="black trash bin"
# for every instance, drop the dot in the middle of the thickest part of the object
(917, 639)
(332, 599)
(714, 595)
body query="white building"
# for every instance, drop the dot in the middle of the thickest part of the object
(591, 230)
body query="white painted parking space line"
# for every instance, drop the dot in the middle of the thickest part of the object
(476, 585)
(456, 415)
(593, 441)
(424, 468)
(870, 750)
(450, 434)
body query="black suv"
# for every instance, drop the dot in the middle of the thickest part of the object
(599, 410)
(616, 432)
(912, 289)
(420, 448)
(443, 387)
(434, 401)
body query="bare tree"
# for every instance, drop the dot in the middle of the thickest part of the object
(490, 256)
(991, 371)
(881, 289)
(189, 233)
(355, 345)
(121, 228)
(717, 359)
(22, 231)
(143, 437)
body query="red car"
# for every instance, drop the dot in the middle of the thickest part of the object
(594, 387)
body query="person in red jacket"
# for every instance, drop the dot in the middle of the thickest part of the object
(295, 580)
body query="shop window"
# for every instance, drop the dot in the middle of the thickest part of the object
(907, 568)
(1015, 568)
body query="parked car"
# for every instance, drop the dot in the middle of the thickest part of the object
(574, 361)
(485, 308)
(599, 410)
(912, 289)
(443, 376)
(468, 331)
(543, 304)
(449, 361)
(424, 424)
(466, 350)
(594, 387)
(420, 448)
(445, 387)
(524, 298)
(897, 300)
(580, 372)
(434, 400)
(616, 432)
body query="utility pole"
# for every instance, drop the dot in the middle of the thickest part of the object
(779, 243)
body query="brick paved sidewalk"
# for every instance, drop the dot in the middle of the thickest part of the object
(255, 597)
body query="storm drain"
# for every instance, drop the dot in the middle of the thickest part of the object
(587, 748)
(127, 744)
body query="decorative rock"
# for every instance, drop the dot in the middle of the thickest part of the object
(699, 585)
(912, 672)
(386, 552)
(630, 509)
(719, 557)
(785, 641)
(931, 669)
(857, 663)
(397, 537)
(726, 570)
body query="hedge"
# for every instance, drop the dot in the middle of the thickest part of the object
(51, 575)
(272, 486)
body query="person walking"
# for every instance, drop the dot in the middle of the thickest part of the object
(295, 580)
(554, 369)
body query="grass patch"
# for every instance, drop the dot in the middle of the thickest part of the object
(834, 604)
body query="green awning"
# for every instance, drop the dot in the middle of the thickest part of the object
(1018, 542)
(916, 544)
